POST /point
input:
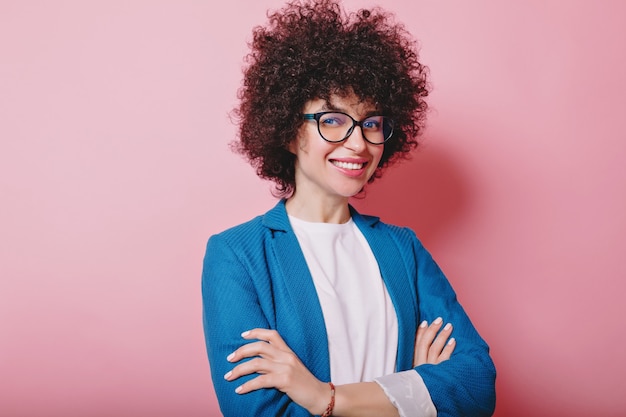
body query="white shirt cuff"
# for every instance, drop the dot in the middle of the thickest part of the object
(408, 393)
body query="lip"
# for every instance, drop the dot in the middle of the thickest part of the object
(354, 173)
(351, 160)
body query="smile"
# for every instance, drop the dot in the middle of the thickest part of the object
(348, 165)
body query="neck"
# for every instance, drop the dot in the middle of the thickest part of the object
(334, 210)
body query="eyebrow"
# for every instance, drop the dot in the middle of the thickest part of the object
(331, 107)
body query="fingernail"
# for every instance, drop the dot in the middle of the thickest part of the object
(228, 374)
(447, 326)
(230, 357)
(451, 341)
(438, 320)
(424, 324)
(238, 389)
(246, 333)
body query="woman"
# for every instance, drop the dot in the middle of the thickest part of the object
(313, 308)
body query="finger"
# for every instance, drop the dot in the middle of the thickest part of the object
(250, 350)
(420, 331)
(261, 381)
(432, 330)
(271, 374)
(419, 335)
(446, 353)
(267, 335)
(256, 365)
(253, 366)
(426, 339)
(439, 343)
(428, 334)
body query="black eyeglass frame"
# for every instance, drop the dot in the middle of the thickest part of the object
(359, 123)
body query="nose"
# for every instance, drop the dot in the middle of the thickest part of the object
(355, 140)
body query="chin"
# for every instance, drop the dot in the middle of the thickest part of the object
(350, 192)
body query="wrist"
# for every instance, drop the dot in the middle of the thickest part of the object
(323, 398)
(331, 403)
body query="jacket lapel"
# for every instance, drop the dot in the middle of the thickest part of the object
(390, 257)
(301, 292)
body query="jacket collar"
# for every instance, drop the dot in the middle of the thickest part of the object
(276, 219)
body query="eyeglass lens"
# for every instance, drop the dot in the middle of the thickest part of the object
(335, 127)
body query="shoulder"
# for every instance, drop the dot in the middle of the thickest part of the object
(401, 231)
(376, 227)
(254, 232)
(244, 243)
(405, 239)
(241, 232)
(232, 254)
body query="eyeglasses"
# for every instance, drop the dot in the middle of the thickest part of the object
(336, 127)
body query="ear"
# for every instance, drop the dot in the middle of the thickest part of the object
(293, 146)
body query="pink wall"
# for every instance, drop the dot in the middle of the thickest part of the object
(114, 169)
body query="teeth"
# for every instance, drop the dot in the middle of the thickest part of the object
(347, 165)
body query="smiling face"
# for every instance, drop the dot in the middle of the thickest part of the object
(334, 171)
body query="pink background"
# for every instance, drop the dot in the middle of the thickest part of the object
(114, 170)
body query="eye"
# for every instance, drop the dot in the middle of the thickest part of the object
(333, 120)
(373, 123)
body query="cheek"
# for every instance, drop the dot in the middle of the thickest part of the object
(302, 142)
(297, 145)
(377, 153)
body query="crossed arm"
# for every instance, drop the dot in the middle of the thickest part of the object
(279, 367)
(462, 385)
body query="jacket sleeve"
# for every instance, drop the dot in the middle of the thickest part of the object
(465, 384)
(232, 305)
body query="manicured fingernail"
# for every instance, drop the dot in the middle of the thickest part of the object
(451, 341)
(246, 333)
(424, 324)
(230, 357)
(438, 320)
(447, 326)
(228, 374)
(238, 389)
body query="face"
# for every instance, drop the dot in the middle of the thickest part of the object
(334, 170)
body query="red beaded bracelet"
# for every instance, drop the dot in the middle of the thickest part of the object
(331, 404)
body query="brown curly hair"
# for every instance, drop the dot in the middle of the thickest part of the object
(312, 49)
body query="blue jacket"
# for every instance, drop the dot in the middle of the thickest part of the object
(255, 275)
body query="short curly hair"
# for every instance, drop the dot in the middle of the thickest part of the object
(312, 49)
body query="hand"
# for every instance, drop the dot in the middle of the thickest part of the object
(279, 367)
(431, 347)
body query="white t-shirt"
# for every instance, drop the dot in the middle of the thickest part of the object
(358, 313)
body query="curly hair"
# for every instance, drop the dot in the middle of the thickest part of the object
(312, 49)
